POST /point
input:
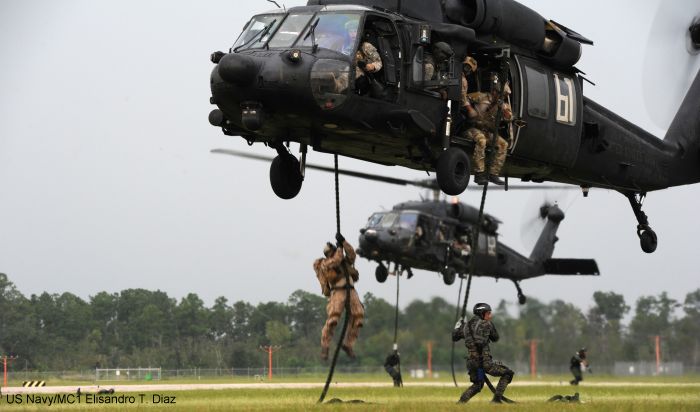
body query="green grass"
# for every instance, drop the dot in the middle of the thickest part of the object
(530, 398)
(358, 377)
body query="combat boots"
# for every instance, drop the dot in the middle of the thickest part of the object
(501, 399)
(349, 351)
(496, 180)
(480, 178)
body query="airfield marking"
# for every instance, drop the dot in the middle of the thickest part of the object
(311, 385)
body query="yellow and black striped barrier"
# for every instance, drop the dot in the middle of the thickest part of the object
(33, 384)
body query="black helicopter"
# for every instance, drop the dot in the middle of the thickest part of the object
(436, 235)
(290, 77)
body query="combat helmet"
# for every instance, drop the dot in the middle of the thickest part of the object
(442, 51)
(328, 249)
(480, 309)
(470, 62)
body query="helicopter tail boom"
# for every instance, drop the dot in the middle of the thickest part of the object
(545, 243)
(571, 267)
(684, 135)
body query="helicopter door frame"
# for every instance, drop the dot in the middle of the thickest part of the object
(391, 81)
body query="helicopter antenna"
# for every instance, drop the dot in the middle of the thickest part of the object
(275, 3)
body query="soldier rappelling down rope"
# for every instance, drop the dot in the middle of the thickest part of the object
(477, 333)
(331, 272)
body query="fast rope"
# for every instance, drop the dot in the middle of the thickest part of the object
(452, 353)
(347, 290)
(472, 266)
(396, 321)
(492, 141)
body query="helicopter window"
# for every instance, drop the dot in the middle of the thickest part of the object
(335, 32)
(375, 219)
(566, 101)
(537, 93)
(389, 220)
(408, 220)
(329, 82)
(289, 30)
(249, 37)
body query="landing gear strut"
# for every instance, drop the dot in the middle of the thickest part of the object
(647, 237)
(522, 299)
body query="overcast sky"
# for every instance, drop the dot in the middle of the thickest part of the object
(107, 183)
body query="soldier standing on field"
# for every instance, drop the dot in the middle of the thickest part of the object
(577, 365)
(391, 367)
(477, 333)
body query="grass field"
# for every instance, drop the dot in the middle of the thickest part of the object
(636, 395)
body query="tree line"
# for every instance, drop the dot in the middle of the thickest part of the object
(142, 328)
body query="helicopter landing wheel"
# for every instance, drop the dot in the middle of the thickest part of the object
(648, 240)
(285, 176)
(452, 171)
(381, 273)
(449, 275)
(522, 299)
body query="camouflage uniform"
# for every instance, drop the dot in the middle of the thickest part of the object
(485, 105)
(578, 363)
(477, 334)
(390, 366)
(330, 272)
(428, 67)
(367, 53)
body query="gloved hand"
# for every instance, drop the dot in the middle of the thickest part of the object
(361, 64)
(459, 324)
(339, 238)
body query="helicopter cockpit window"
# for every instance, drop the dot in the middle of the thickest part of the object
(389, 220)
(408, 221)
(374, 220)
(290, 29)
(333, 31)
(251, 37)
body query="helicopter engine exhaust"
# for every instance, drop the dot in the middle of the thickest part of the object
(516, 24)
(695, 34)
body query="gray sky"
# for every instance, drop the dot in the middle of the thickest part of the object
(107, 183)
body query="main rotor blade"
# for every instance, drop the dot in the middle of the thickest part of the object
(392, 180)
(520, 186)
(426, 183)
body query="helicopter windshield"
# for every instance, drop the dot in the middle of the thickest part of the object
(289, 30)
(389, 220)
(374, 220)
(408, 220)
(334, 31)
(250, 39)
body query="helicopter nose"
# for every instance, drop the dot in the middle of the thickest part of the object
(370, 235)
(237, 68)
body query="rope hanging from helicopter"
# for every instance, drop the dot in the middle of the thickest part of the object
(396, 323)
(452, 353)
(347, 290)
(503, 79)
